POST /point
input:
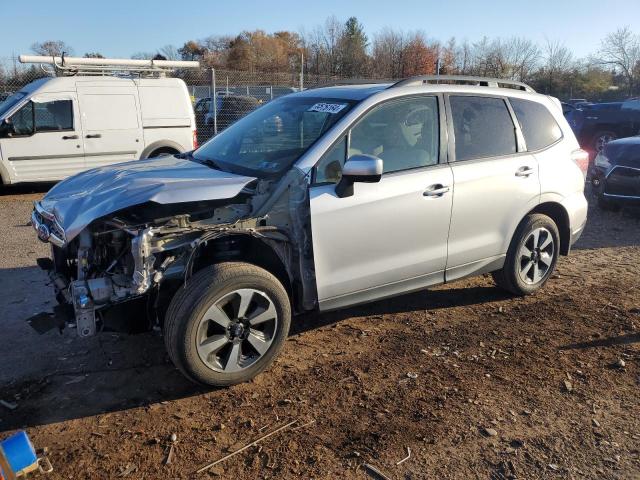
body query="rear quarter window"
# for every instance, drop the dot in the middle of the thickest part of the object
(538, 126)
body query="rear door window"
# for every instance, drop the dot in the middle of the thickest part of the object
(482, 126)
(538, 126)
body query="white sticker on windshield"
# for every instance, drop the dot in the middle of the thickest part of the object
(327, 107)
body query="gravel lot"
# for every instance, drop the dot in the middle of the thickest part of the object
(476, 383)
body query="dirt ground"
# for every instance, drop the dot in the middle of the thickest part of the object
(476, 383)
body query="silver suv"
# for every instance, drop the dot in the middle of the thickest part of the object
(317, 200)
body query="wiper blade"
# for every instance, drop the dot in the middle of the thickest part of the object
(210, 163)
(205, 161)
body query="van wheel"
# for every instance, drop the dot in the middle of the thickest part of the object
(162, 152)
(531, 257)
(227, 324)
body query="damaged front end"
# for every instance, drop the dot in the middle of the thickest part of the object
(129, 254)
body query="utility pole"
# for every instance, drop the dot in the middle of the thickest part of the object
(214, 101)
(301, 71)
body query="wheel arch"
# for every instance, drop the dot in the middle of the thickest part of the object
(560, 216)
(161, 144)
(263, 253)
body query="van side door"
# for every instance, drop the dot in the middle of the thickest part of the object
(44, 141)
(496, 182)
(111, 126)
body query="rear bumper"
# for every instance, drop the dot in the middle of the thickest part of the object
(576, 206)
(575, 235)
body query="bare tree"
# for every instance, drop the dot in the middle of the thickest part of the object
(558, 60)
(143, 55)
(388, 50)
(331, 37)
(621, 49)
(51, 48)
(170, 52)
(521, 58)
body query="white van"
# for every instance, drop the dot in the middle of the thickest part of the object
(57, 127)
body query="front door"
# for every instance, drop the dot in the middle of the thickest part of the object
(390, 237)
(111, 124)
(44, 143)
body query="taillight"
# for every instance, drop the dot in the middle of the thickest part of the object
(581, 158)
(195, 138)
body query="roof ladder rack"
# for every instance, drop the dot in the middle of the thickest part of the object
(463, 80)
(107, 66)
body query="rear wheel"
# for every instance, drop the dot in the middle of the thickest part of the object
(162, 152)
(531, 257)
(228, 324)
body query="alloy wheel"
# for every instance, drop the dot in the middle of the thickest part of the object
(536, 256)
(236, 330)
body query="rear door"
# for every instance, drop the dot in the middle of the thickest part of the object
(46, 141)
(496, 182)
(111, 126)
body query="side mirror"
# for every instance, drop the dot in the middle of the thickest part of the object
(359, 168)
(6, 128)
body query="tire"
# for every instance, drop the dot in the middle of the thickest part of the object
(601, 138)
(511, 277)
(162, 152)
(210, 351)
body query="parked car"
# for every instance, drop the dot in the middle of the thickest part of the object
(57, 127)
(229, 109)
(596, 125)
(616, 174)
(318, 200)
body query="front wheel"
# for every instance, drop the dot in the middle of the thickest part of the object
(600, 139)
(228, 324)
(531, 257)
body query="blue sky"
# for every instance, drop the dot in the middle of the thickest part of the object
(118, 28)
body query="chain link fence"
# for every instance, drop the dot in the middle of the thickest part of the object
(219, 97)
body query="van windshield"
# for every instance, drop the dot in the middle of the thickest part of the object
(269, 140)
(12, 100)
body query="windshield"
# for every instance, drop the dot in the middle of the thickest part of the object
(10, 102)
(269, 140)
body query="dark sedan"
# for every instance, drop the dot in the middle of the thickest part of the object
(616, 173)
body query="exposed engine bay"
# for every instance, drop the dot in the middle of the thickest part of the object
(131, 253)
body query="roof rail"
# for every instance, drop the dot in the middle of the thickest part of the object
(463, 80)
(105, 66)
(351, 81)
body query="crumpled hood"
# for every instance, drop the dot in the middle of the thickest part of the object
(83, 198)
(624, 152)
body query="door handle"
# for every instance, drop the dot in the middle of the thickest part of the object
(95, 135)
(436, 190)
(524, 171)
(70, 137)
